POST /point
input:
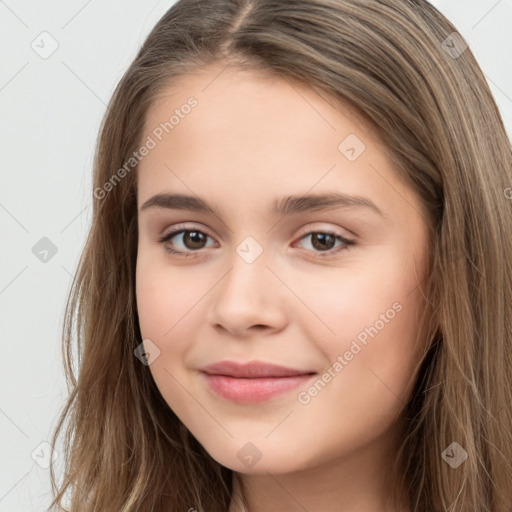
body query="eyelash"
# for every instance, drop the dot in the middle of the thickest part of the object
(191, 254)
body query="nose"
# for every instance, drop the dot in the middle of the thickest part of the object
(249, 299)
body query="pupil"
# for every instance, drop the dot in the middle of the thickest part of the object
(195, 237)
(322, 237)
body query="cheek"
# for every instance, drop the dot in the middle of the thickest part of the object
(168, 308)
(362, 301)
(369, 343)
(168, 298)
(366, 383)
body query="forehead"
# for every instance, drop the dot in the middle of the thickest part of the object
(256, 134)
(256, 97)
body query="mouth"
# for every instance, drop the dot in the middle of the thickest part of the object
(253, 382)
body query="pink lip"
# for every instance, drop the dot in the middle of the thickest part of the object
(252, 382)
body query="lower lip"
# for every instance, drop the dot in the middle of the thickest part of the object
(253, 390)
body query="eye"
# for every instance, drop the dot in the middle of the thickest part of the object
(323, 242)
(193, 240)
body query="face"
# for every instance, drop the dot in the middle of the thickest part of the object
(324, 285)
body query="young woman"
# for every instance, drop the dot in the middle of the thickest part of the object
(296, 293)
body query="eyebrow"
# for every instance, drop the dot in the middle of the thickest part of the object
(284, 206)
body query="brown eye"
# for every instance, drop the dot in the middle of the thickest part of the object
(192, 240)
(322, 241)
(325, 242)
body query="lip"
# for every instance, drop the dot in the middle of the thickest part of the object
(252, 382)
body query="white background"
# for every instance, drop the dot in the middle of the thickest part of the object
(50, 111)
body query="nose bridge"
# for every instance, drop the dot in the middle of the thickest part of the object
(246, 296)
(250, 250)
(248, 271)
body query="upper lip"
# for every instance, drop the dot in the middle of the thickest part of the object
(252, 369)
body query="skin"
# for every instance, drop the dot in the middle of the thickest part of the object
(250, 140)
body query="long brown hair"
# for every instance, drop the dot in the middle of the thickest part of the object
(403, 66)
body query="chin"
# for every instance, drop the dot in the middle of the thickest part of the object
(251, 459)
